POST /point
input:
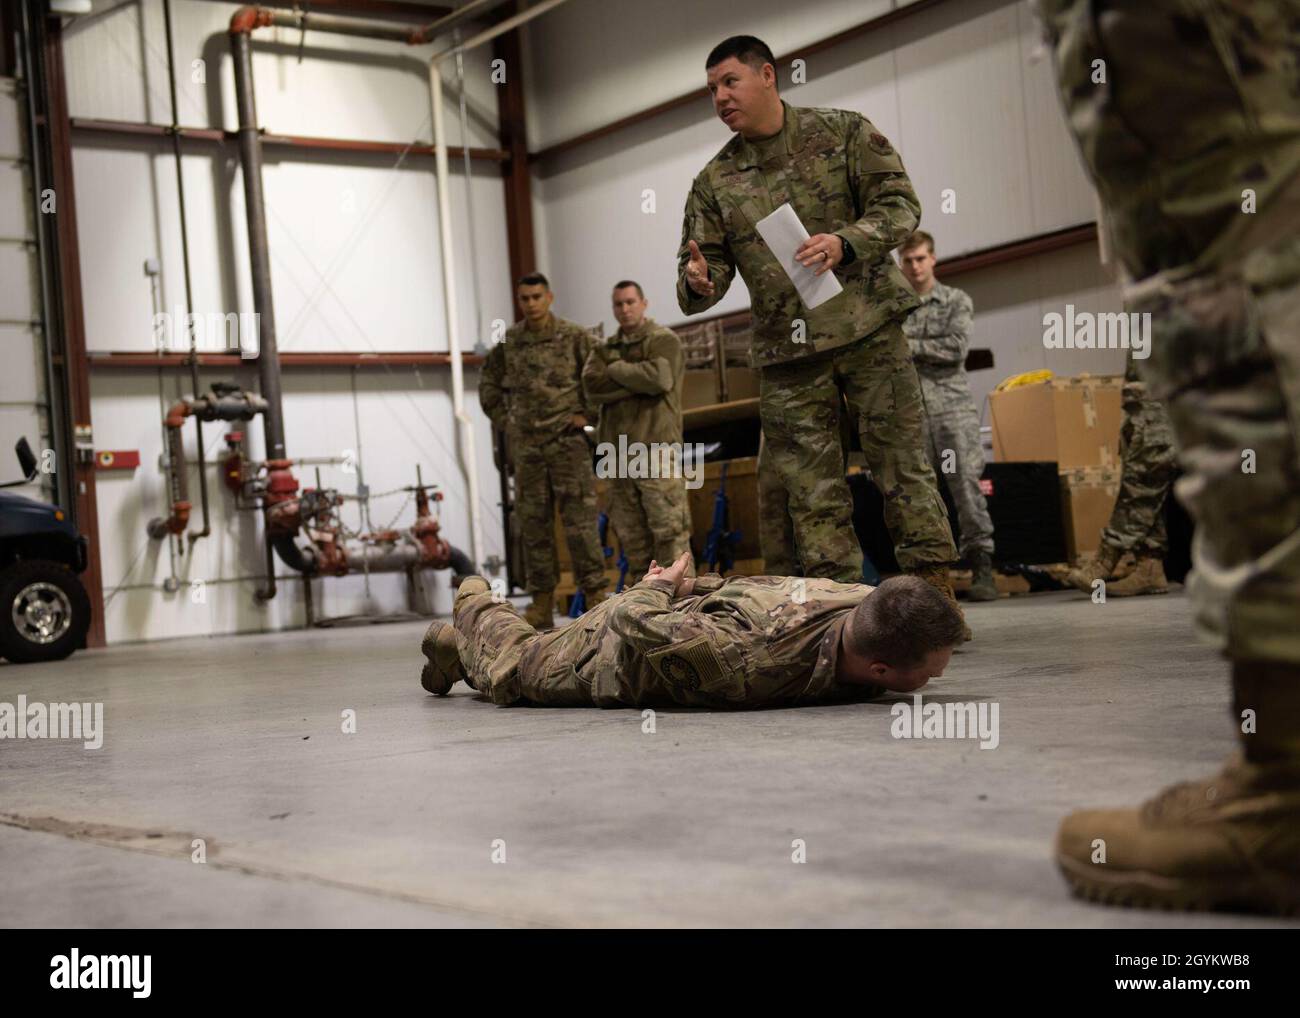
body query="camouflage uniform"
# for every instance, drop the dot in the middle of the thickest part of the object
(840, 176)
(939, 335)
(531, 387)
(743, 642)
(1173, 163)
(1137, 523)
(1188, 115)
(636, 379)
(775, 527)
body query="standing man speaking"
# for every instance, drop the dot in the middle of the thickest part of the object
(848, 187)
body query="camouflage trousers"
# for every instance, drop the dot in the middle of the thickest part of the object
(1226, 355)
(652, 519)
(799, 403)
(775, 527)
(558, 472)
(1137, 523)
(1198, 109)
(952, 439)
(500, 654)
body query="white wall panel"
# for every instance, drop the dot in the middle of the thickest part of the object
(1060, 191)
(590, 62)
(963, 123)
(355, 262)
(596, 232)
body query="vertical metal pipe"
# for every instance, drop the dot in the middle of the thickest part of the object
(250, 161)
(185, 263)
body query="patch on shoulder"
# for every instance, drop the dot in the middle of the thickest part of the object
(879, 144)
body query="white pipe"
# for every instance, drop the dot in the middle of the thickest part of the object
(500, 28)
(469, 460)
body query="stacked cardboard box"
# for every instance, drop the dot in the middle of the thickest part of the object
(1075, 423)
(1087, 497)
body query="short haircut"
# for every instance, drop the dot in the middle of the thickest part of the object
(623, 284)
(533, 279)
(902, 621)
(916, 239)
(745, 48)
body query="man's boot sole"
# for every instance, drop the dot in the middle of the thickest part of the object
(1139, 889)
(443, 659)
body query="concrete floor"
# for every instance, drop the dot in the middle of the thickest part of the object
(238, 741)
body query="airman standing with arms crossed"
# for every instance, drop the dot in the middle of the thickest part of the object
(636, 379)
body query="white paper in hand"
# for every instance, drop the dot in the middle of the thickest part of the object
(783, 233)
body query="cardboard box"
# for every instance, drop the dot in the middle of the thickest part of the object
(1088, 497)
(1073, 422)
(699, 388)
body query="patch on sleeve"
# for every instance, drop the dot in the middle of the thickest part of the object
(879, 144)
(690, 666)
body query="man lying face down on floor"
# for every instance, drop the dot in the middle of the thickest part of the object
(740, 642)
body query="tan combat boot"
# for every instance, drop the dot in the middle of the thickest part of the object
(1228, 842)
(1147, 577)
(1102, 567)
(443, 669)
(541, 613)
(595, 597)
(937, 577)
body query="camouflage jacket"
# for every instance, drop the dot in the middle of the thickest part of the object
(636, 378)
(840, 176)
(744, 641)
(939, 335)
(531, 384)
(1218, 115)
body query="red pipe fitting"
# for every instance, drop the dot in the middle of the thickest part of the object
(246, 19)
(180, 517)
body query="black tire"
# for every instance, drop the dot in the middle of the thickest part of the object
(46, 596)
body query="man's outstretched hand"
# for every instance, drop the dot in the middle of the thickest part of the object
(674, 573)
(697, 272)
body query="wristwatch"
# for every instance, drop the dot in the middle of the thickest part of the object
(850, 256)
